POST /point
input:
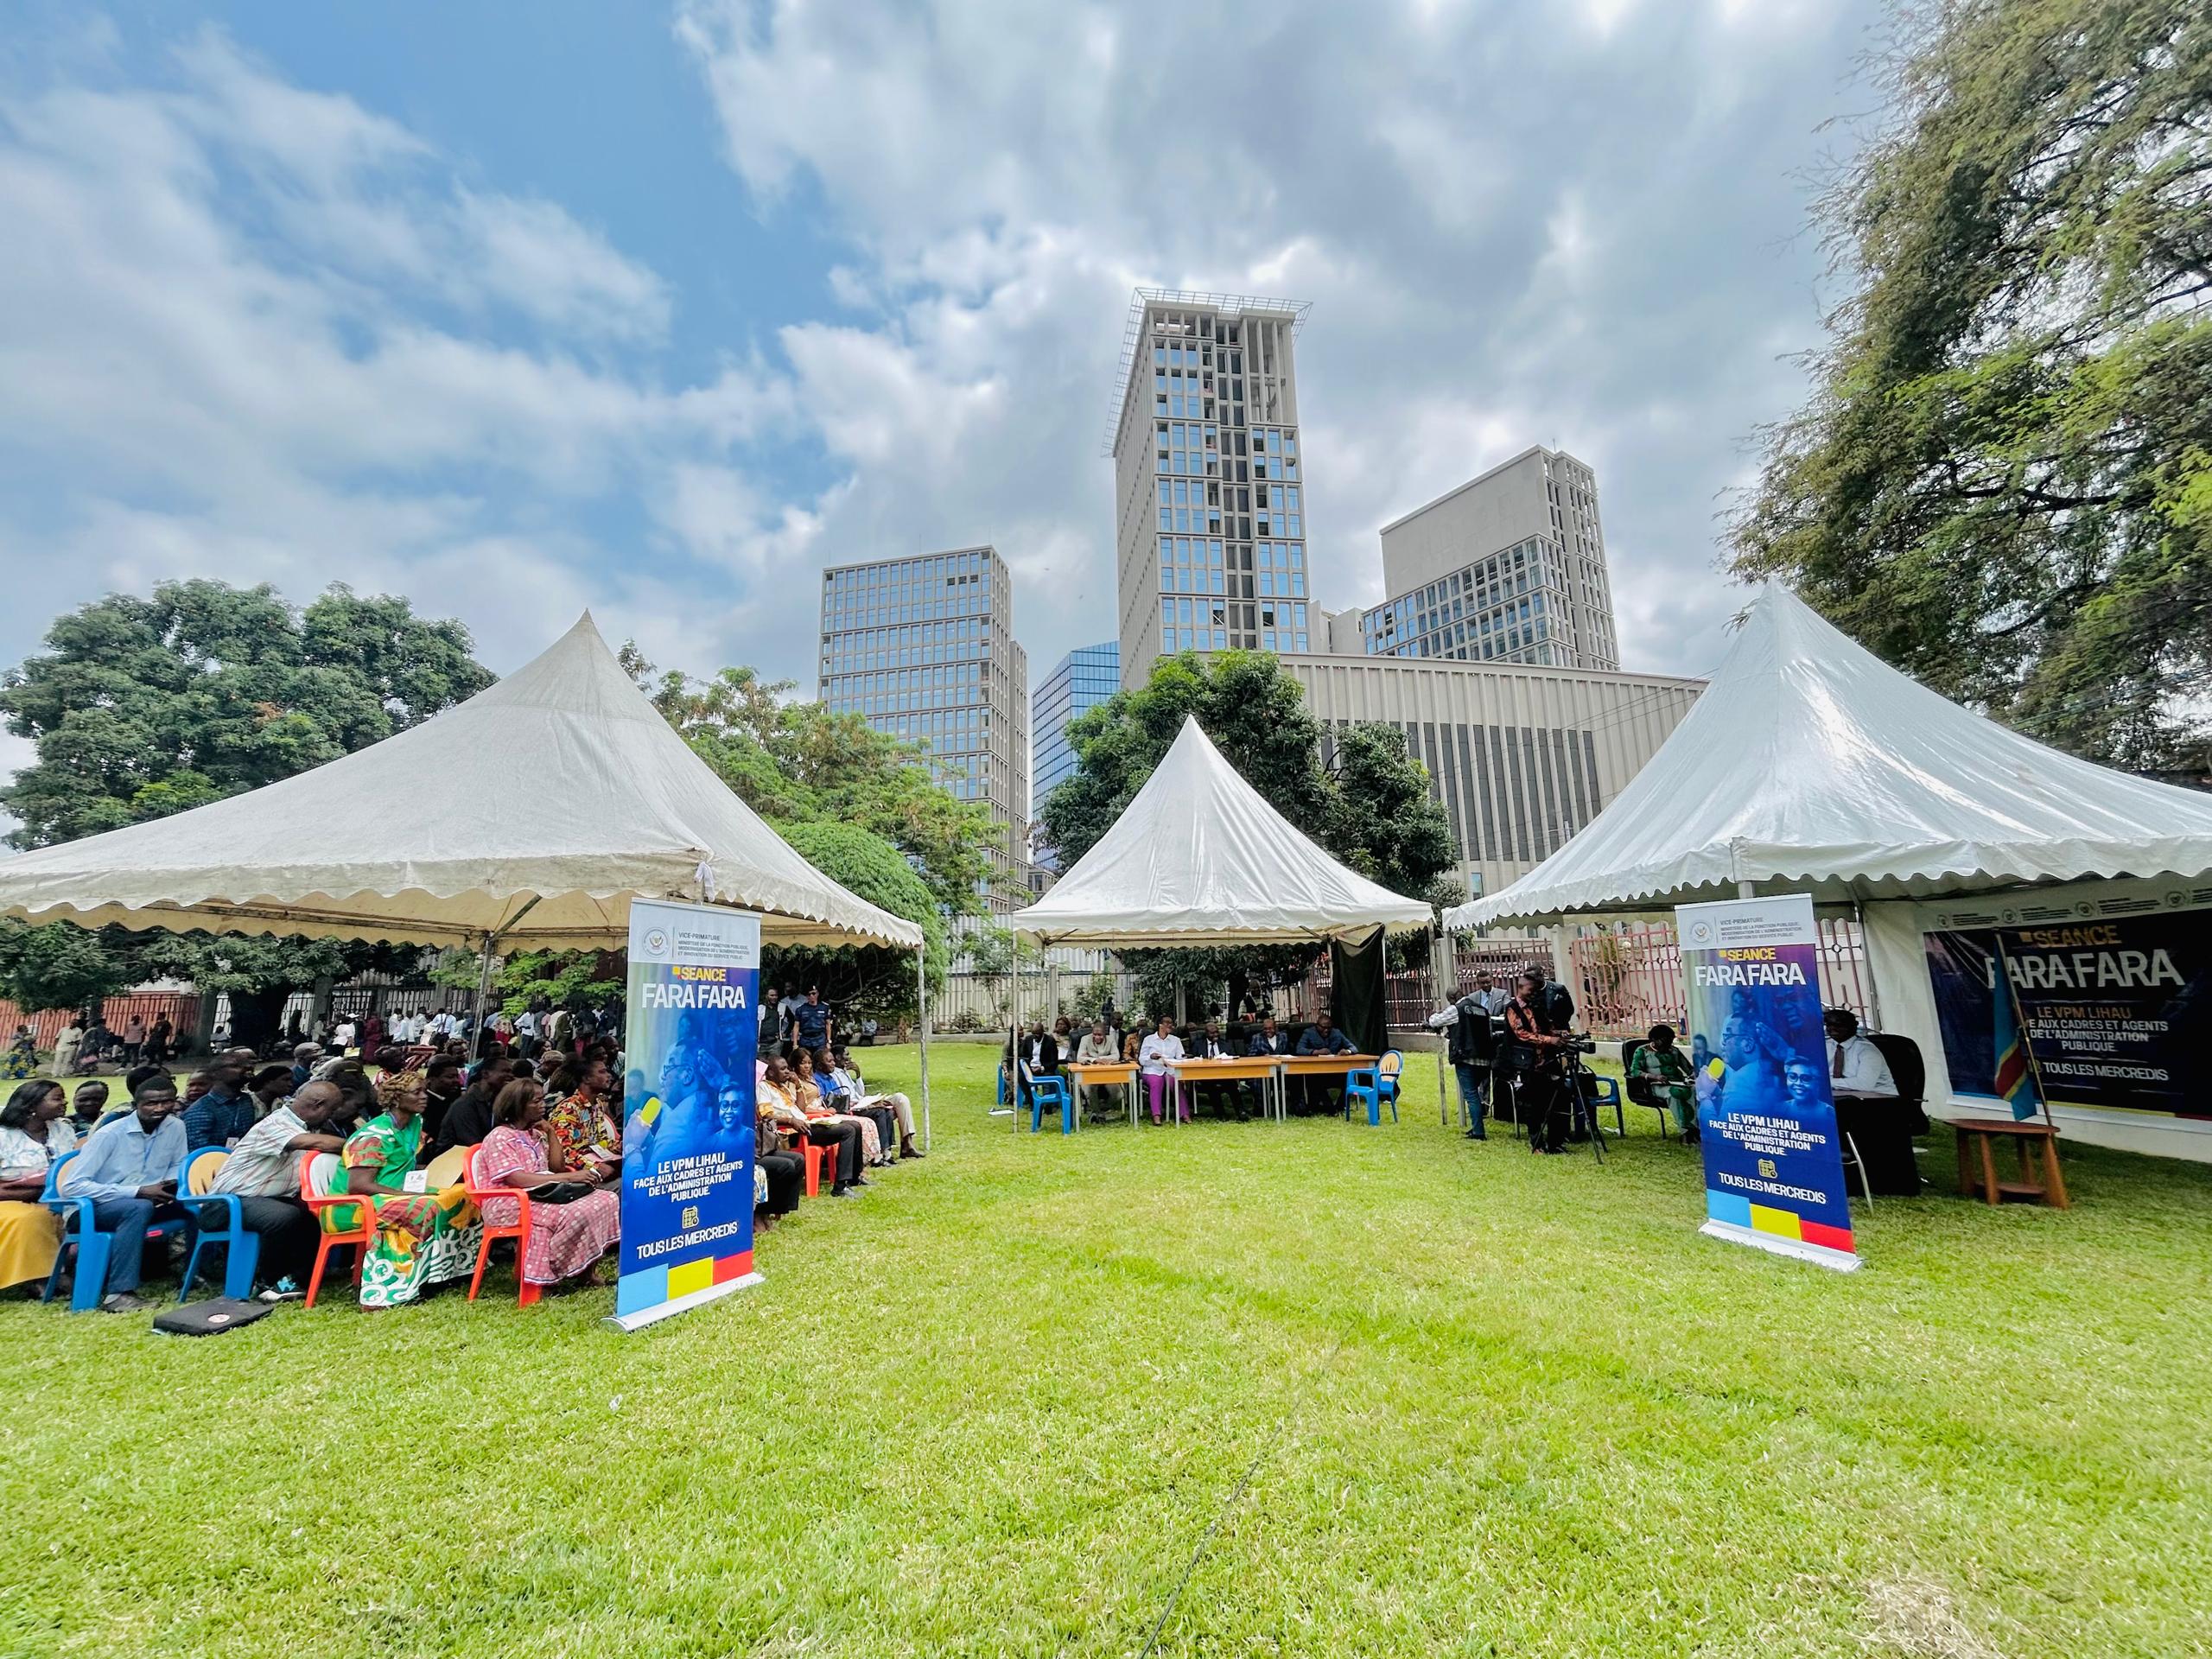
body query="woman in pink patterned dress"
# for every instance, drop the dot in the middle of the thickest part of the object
(565, 1239)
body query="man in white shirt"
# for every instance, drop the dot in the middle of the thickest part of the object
(900, 1107)
(263, 1173)
(1855, 1065)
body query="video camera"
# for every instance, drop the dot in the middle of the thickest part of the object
(1573, 1042)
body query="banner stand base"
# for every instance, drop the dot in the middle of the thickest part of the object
(1776, 1244)
(683, 1304)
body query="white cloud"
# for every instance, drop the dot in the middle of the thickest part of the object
(1516, 224)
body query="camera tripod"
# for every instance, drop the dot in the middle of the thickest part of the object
(1568, 1083)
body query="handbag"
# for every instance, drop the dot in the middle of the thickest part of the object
(561, 1191)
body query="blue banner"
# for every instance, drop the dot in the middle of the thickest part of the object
(687, 1147)
(1766, 1114)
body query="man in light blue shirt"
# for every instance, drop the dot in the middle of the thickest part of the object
(128, 1168)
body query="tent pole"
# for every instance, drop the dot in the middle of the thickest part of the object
(483, 995)
(1447, 985)
(922, 1003)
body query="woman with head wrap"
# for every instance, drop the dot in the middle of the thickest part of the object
(423, 1237)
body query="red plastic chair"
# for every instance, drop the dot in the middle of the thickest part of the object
(517, 1230)
(329, 1233)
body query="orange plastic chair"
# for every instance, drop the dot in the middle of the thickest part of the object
(819, 1160)
(517, 1230)
(330, 1232)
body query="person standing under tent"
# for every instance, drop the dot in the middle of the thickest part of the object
(1471, 1046)
(1530, 1057)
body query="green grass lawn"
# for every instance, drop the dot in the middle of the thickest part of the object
(1410, 1394)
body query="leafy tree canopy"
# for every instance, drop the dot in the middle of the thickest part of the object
(876, 978)
(2003, 481)
(798, 763)
(143, 706)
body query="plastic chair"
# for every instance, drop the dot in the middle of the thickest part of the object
(332, 1231)
(517, 1230)
(1377, 1085)
(1605, 1091)
(94, 1248)
(819, 1161)
(241, 1250)
(1048, 1090)
(1640, 1091)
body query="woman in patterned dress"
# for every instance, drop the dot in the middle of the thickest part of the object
(806, 1088)
(565, 1239)
(578, 1131)
(34, 1133)
(423, 1238)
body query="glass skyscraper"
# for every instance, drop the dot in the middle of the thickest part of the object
(924, 649)
(1080, 681)
(1209, 492)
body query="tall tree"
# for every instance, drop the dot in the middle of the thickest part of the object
(1370, 806)
(141, 707)
(876, 978)
(797, 762)
(2003, 481)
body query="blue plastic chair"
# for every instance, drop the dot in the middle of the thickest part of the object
(1377, 1085)
(1606, 1091)
(241, 1248)
(1049, 1090)
(94, 1247)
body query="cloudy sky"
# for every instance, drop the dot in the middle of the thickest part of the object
(660, 310)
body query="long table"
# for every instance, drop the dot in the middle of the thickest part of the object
(1264, 1069)
(1324, 1065)
(1105, 1074)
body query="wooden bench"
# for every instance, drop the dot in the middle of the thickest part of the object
(2038, 1142)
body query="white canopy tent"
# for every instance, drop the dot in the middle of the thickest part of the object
(529, 817)
(1198, 858)
(1810, 765)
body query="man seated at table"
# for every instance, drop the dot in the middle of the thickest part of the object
(1228, 1097)
(1040, 1054)
(1321, 1037)
(1867, 1108)
(263, 1173)
(1269, 1038)
(1097, 1047)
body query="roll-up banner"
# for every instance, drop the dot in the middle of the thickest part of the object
(687, 1147)
(1766, 1113)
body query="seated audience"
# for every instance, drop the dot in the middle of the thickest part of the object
(566, 1239)
(270, 1088)
(806, 1088)
(34, 1132)
(1153, 1055)
(422, 1237)
(89, 1105)
(779, 1098)
(441, 1086)
(128, 1168)
(837, 1096)
(305, 1057)
(263, 1173)
(468, 1120)
(899, 1110)
(221, 1115)
(579, 1127)
(1667, 1069)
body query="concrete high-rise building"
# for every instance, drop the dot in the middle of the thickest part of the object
(924, 649)
(1079, 682)
(1209, 491)
(1510, 567)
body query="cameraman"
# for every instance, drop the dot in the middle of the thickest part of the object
(1531, 1054)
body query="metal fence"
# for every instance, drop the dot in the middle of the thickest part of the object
(1629, 978)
